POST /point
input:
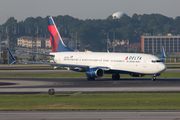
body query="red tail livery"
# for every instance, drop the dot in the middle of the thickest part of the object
(57, 44)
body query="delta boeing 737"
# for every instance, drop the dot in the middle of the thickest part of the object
(96, 64)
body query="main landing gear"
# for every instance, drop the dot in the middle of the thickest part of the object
(90, 78)
(115, 76)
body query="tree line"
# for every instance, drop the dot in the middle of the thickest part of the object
(93, 33)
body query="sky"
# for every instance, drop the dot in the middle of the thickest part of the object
(85, 9)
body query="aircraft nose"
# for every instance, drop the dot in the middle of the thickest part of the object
(162, 67)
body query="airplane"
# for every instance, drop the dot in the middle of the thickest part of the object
(96, 64)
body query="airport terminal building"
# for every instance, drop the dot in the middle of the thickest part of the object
(152, 44)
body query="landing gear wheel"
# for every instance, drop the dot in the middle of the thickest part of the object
(115, 76)
(90, 78)
(153, 79)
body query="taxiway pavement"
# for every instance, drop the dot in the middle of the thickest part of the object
(90, 115)
(82, 85)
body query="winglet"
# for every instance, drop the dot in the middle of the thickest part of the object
(163, 55)
(14, 60)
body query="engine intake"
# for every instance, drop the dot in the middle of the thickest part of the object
(95, 72)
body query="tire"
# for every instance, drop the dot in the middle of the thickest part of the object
(115, 76)
(153, 79)
(90, 78)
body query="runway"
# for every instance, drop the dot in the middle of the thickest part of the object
(90, 115)
(82, 85)
(69, 85)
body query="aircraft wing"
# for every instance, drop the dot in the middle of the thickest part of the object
(41, 54)
(102, 67)
(57, 64)
(67, 65)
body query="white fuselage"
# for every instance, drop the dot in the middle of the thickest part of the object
(128, 62)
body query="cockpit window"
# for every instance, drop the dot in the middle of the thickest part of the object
(154, 61)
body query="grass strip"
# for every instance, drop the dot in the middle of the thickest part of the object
(117, 101)
(55, 75)
(173, 66)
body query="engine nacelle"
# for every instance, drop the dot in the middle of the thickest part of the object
(137, 75)
(95, 72)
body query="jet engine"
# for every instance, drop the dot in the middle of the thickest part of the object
(137, 75)
(94, 72)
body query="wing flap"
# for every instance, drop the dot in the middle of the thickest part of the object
(56, 64)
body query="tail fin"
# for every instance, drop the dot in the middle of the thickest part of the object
(57, 44)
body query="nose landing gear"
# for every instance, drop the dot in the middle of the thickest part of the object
(153, 79)
(115, 76)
